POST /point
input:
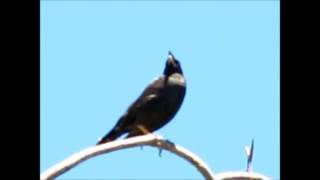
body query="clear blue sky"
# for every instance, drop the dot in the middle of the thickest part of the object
(98, 56)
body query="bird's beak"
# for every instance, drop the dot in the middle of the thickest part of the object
(170, 58)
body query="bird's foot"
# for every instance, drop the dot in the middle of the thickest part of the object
(157, 136)
(169, 142)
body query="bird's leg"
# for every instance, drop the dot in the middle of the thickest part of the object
(143, 129)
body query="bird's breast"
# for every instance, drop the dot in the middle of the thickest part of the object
(176, 79)
(159, 102)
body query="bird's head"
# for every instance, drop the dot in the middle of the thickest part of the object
(172, 65)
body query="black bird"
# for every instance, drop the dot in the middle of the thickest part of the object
(155, 107)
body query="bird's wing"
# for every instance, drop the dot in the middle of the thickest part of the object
(149, 96)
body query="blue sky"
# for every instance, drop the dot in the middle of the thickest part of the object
(98, 56)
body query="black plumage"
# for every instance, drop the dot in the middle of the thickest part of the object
(155, 107)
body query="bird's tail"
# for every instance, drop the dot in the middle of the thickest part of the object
(115, 132)
(112, 135)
